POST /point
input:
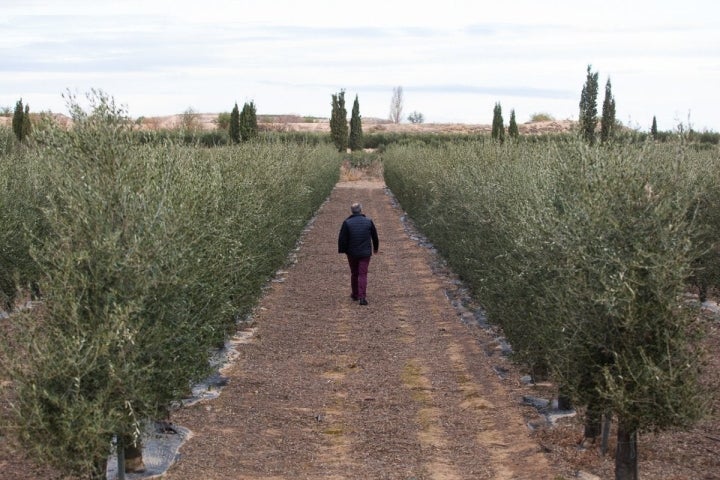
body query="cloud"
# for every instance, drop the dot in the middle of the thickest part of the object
(291, 52)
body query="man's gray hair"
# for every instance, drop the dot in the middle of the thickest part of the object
(356, 208)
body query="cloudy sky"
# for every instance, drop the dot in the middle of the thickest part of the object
(453, 58)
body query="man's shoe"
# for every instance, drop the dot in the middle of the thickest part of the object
(354, 298)
(363, 301)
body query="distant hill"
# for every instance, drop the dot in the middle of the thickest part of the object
(298, 123)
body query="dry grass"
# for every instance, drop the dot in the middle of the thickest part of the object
(350, 173)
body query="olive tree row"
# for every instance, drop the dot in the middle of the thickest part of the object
(149, 257)
(582, 255)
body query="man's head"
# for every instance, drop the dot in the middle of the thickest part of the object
(356, 208)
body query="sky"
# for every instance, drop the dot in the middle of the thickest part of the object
(453, 58)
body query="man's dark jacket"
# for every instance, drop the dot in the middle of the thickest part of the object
(356, 234)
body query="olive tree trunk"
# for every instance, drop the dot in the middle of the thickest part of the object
(626, 454)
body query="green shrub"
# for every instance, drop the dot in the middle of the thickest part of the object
(22, 188)
(541, 117)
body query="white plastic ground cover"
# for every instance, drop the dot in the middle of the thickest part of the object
(210, 387)
(162, 441)
(161, 444)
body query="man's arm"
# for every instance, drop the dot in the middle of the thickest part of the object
(374, 234)
(343, 239)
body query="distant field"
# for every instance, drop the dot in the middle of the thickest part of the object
(297, 123)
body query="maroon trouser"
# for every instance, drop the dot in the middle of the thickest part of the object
(358, 275)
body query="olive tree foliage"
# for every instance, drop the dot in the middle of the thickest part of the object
(338, 121)
(234, 125)
(588, 106)
(582, 255)
(396, 105)
(118, 330)
(629, 236)
(22, 188)
(607, 121)
(150, 256)
(355, 141)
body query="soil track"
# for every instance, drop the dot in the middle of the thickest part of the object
(330, 389)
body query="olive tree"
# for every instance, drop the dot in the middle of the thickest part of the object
(628, 233)
(22, 194)
(582, 255)
(117, 338)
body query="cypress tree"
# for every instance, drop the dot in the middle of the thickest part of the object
(653, 129)
(513, 131)
(607, 123)
(252, 120)
(498, 129)
(356, 134)
(26, 125)
(248, 121)
(235, 124)
(17, 121)
(588, 106)
(338, 122)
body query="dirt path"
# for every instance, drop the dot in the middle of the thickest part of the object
(333, 390)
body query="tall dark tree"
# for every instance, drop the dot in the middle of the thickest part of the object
(356, 133)
(653, 129)
(26, 125)
(588, 106)
(498, 129)
(17, 121)
(234, 128)
(513, 131)
(607, 122)
(338, 122)
(248, 121)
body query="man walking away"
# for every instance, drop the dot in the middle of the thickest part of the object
(358, 239)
